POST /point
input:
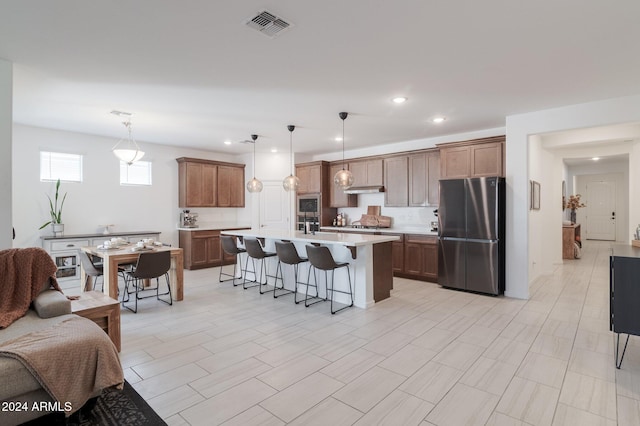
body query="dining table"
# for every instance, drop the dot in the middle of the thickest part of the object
(126, 255)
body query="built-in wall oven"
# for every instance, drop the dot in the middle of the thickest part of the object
(308, 212)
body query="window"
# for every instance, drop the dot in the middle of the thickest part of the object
(57, 165)
(138, 173)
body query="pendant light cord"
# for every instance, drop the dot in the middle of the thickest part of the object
(291, 149)
(343, 143)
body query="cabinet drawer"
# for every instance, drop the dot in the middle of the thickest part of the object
(69, 245)
(421, 239)
(204, 234)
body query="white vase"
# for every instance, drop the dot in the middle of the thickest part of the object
(58, 229)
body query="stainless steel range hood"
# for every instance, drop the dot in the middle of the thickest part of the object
(364, 189)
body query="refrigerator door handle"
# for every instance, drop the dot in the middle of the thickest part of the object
(476, 240)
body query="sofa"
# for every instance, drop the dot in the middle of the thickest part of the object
(26, 387)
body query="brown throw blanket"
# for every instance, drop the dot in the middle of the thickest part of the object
(72, 360)
(24, 273)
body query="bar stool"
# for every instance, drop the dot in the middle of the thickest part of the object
(255, 252)
(321, 259)
(230, 247)
(288, 254)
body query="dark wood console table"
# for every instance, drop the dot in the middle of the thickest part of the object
(624, 289)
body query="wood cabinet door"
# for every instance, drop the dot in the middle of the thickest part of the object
(193, 185)
(397, 255)
(214, 251)
(430, 261)
(337, 197)
(486, 159)
(455, 162)
(413, 258)
(418, 172)
(303, 174)
(209, 179)
(359, 171)
(198, 250)
(433, 178)
(230, 186)
(396, 181)
(375, 175)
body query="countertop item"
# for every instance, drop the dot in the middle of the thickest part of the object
(420, 230)
(216, 226)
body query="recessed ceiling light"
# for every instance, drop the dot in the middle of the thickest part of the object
(595, 158)
(227, 142)
(274, 150)
(438, 120)
(338, 139)
(400, 99)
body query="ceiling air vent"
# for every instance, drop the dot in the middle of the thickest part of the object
(268, 24)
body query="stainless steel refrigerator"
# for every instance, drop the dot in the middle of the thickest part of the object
(471, 217)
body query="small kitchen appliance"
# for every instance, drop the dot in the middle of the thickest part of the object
(188, 219)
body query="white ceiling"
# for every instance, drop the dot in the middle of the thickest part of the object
(194, 75)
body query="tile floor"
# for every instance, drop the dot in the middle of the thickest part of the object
(426, 356)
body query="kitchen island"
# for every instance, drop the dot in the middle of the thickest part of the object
(369, 257)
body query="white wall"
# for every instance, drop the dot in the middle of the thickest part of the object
(6, 105)
(519, 128)
(100, 199)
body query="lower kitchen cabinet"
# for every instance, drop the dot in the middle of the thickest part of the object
(420, 257)
(397, 254)
(203, 249)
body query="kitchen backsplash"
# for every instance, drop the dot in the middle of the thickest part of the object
(402, 216)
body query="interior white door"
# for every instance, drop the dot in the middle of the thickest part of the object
(601, 214)
(275, 206)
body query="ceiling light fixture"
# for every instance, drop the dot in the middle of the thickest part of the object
(438, 120)
(254, 185)
(274, 150)
(595, 158)
(291, 182)
(127, 149)
(227, 142)
(338, 139)
(344, 178)
(400, 99)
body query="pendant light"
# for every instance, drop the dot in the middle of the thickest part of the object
(254, 185)
(127, 150)
(291, 182)
(344, 178)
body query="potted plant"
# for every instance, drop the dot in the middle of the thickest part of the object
(573, 204)
(56, 213)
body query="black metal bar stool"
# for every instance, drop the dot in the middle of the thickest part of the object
(150, 265)
(255, 252)
(321, 259)
(230, 247)
(288, 254)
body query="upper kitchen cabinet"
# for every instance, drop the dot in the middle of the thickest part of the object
(230, 186)
(424, 173)
(396, 181)
(207, 183)
(367, 172)
(474, 158)
(337, 197)
(310, 175)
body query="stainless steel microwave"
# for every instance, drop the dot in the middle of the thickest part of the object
(308, 204)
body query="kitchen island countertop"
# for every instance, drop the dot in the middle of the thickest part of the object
(420, 230)
(369, 257)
